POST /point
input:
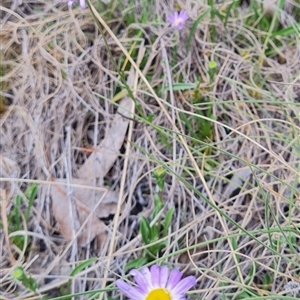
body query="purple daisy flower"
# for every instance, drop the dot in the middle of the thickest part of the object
(178, 19)
(157, 283)
(81, 3)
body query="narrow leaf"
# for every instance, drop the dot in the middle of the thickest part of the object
(136, 263)
(79, 268)
(168, 220)
(194, 27)
(145, 230)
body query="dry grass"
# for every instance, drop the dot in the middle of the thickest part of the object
(236, 194)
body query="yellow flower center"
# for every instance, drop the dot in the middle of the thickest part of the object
(159, 294)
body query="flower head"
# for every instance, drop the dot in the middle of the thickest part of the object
(81, 3)
(157, 283)
(178, 19)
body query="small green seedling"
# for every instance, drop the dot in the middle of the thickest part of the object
(17, 218)
(20, 275)
(212, 69)
(19, 215)
(155, 232)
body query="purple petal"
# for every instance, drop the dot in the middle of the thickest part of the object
(130, 291)
(164, 276)
(174, 278)
(184, 285)
(155, 275)
(70, 3)
(183, 16)
(147, 274)
(179, 297)
(140, 280)
(82, 4)
(180, 26)
(171, 19)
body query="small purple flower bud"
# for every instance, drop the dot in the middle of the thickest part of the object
(81, 3)
(178, 19)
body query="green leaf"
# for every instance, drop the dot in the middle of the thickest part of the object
(168, 220)
(16, 214)
(82, 266)
(30, 194)
(79, 268)
(158, 205)
(243, 295)
(150, 118)
(181, 86)
(30, 283)
(194, 27)
(145, 230)
(251, 274)
(31, 191)
(155, 249)
(154, 233)
(285, 32)
(136, 263)
(232, 5)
